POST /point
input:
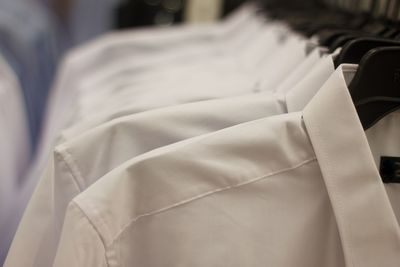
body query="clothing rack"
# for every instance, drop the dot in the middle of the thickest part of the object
(267, 139)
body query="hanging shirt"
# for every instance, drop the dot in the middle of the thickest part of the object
(82, 61)
(303, 184)
(111, 110)
(144, 62)
(55, 124)
(189, 88)
(295, 99)
(301, 70)
(225, 58)
(239, 55)
(106, 49)
(73, 168)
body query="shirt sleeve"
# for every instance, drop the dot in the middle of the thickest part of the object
(34, 231)
(80, 244)
(40, 228)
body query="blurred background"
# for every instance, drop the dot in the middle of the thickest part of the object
(35, 34)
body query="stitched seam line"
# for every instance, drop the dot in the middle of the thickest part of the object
(74, 171)
(96, 230)
(208, 194)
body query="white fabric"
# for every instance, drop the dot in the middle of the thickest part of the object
(73, 168)
(303, 184)
(206, 74)
(117, 77)
(139, 66)
(55, 124)
(296, 99)
(79, 63)
(83, 60)
(200, 85)
(277, 70)
(113, 46)
(224, 58)
(301, 70)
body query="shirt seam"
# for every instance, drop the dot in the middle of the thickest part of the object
(71, 165)
(97, 232)
(215, 191)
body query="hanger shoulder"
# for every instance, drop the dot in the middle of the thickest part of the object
(375, 89)
(354, 50)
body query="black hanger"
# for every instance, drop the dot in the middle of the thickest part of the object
(390, 32)
(385, 27)
(329, 36)
(344, 39)
(354, 51)
(364, 24)
(308, 17)
(339, 22)
(352, 26)
(375, 88)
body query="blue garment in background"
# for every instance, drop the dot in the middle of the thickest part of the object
(90, 18)
(29, 41)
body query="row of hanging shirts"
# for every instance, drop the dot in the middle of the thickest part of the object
(267, 139)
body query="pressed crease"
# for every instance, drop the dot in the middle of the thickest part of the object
(209, 193)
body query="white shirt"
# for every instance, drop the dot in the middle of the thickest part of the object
(198, 86)
(238, 84)
(225, 58)
(177, 95)
(81, 61)
(225, 63)
(301, 70)
(295, 99)
(73, 168)
(303, 184)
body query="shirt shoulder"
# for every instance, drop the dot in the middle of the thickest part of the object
(87, 249)
(193, 169)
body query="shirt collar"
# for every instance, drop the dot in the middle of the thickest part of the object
(367, 225)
